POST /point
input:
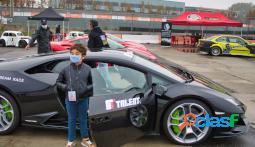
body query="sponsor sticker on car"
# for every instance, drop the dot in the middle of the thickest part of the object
(112, 104)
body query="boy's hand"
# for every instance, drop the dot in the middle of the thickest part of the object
(62, 87)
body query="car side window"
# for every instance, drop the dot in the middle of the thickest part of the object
(160, 81)
(236, 40)
(50, 67)
(60, 66)
(240, 41)
(232, 40)
(222, 39)
(6, 34)
(12, 34)
(113, 78)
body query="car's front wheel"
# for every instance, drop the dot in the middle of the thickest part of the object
(9, 113)
(179, 122)
(22, 43)
(2, 43)
(215, 51)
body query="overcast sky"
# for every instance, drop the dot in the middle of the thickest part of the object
(221, 4)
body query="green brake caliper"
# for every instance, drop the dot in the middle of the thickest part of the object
(7, 108)
(176, 129)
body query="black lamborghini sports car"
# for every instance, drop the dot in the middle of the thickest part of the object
(132, 97)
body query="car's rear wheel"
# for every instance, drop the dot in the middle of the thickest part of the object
(2, 43)
(176, 128)
(215, 51)
(22, 43)
(9, 113)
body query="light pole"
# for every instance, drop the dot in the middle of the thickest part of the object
(132, 25)
(1, 11)
(11, 8)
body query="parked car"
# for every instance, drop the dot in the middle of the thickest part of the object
(146, 97)
(74, 34)
(14, 38)
(126, 43)
(227, 45)
(66, 45)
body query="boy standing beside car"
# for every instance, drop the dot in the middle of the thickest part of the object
(76, 81)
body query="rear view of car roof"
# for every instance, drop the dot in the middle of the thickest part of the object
(28, 61)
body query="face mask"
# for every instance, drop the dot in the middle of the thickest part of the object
(44, 26)
(75, 58)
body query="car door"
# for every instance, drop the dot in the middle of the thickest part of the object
(238, 46)
(55, 68)
(45, 101)
(223, 42)
(7, 38)
(123, 105)
(12, 37)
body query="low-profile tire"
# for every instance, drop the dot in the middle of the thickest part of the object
(22, 43)
(9, 113)
(2, 43)
(174, 116)
(215, 51)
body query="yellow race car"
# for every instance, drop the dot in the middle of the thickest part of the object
(227, 45)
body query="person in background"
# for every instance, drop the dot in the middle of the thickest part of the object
(51, 36)
(57, 32)
(97, 38)
(76, 82)
(98, 41)
(43, 37)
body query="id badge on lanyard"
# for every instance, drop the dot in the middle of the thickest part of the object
(72, 93)
(72, 96)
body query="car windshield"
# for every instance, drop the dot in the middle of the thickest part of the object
(114, 45)
(114, 38)
(20, 34)
(166, 68)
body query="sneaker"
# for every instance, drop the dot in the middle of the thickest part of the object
(87, 143)
(70, 144)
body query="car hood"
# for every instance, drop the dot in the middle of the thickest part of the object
(202, 81)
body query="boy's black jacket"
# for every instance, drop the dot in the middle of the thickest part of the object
(76, 78)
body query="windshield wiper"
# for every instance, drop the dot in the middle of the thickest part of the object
(189, 76)
(185, 73)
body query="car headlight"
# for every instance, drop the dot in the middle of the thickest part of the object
(228, 98)
(233, 101)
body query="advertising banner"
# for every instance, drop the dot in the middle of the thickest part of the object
(166, 30)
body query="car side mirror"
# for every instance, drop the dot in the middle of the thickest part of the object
(159, 90)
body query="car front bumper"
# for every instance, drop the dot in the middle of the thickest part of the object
(240, 128)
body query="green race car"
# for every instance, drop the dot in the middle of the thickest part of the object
(227, 45)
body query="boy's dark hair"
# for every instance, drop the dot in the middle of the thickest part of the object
(94, 23)
(80, 48)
